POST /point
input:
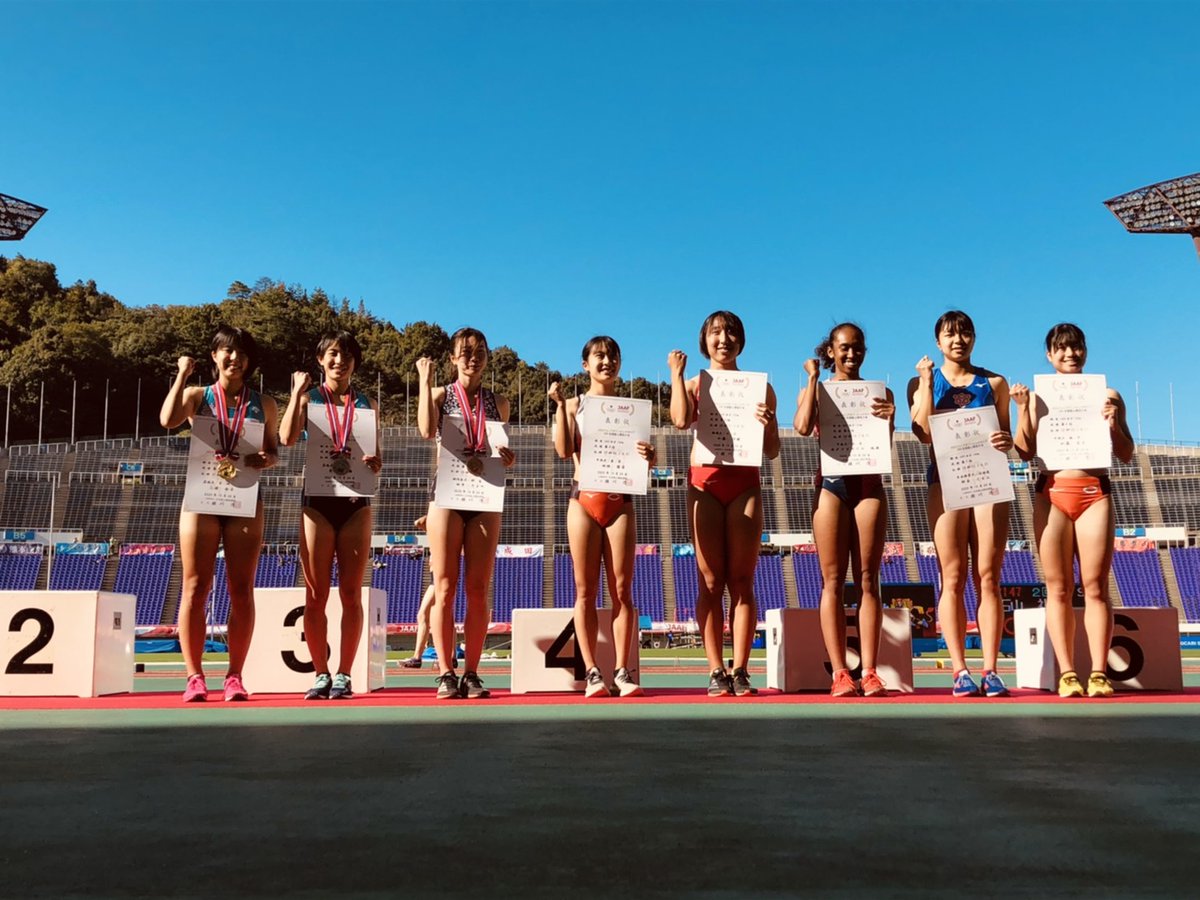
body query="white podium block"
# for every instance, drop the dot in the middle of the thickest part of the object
(797, 661)
(279, 661)
(66, 643)
(546, 658)
(1144, 655)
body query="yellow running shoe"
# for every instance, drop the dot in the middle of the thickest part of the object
(1099, 685)
(1069, 686)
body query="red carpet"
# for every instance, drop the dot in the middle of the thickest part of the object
(423, 696)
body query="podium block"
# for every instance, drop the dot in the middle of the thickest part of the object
(546, 658)
(66, 643)
(797, 661)
(1144, 655)
(279, 661)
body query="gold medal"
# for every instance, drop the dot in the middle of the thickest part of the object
(227, 470)
(474, 465)
(340, 465)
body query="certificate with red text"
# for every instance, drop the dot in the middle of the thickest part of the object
(1072, 432)
(972, 472)
(727, 430)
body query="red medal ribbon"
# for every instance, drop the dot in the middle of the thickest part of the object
(340, 431)
(228, 434)
(474, 420)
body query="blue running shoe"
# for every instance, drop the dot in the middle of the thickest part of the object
(965, 686)
(993, 685)
(341, 689)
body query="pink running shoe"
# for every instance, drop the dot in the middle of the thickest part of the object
(196, 690)
(234, 689)
(873, 686)
(843, 684)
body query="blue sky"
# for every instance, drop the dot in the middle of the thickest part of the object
(547, 171)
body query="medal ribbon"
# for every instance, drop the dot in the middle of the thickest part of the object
(229, 433)
(340, 431)
(475, 420)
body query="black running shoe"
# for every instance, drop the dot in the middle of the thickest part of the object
(719, 683)
(341, 689)
(471, 688)
(320, 689)
(447, 686)
(741, 684)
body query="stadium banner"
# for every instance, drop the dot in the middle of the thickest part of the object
(646, 550)
(926, 548)
(146, 549)
(401, 538)
(130, 469)
(21, 549)
(683, 550)
(804, 548)
(662, 473)
(1018, 545)
(411, 551)
(1139, 531)
(515, 550)
(76, 549)
(1135, 545)
(892, 549)
(14, 535)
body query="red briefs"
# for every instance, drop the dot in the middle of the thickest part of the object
(725, 483)
(1073, 496)
(602, 507)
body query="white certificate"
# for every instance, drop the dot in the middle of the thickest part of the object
(1072, 432)
(320, 479)
(853, 440)
(207, 492)
(727, 433)
(456, 487)
(972, 472)
(609, 431)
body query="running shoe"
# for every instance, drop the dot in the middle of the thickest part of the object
(595, 684)
(320, 688)
(964, 685)
(1099, 685)
(992, 685)
(625, 685)
(447, 686)
(471, 688)
(413, 662)
(341, 689)
(843, 685)
(234, 689)
(196, 690)
(719, 684)
(873, 686)
(741, 683)
(1069, 686)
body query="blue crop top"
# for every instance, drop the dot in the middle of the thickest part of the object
(946, 396)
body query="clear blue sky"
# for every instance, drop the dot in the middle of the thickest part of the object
(546, 171)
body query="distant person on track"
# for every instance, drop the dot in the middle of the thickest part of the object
(981, 531)
(414, 661)
(849, 521)
(724, 511)
(231, 401)
(1074, 517)
(332, 526)
(473, 534)
(600, 526)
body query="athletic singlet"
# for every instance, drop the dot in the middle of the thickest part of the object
(360, 399)
(450, 405)
(254, 410)
(947, 397)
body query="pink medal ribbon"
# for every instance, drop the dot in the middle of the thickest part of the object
(475, 422)
(340, 431)
(229, 431)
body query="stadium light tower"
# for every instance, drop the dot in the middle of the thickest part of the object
(17, 217)
(1169, 207)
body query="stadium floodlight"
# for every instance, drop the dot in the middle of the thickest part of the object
(17, 217)
(1169, 207)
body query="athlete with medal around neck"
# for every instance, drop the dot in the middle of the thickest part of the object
(332, 526)
(229, 400)
(473, 534)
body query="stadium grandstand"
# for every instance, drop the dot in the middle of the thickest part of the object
(113, 509)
